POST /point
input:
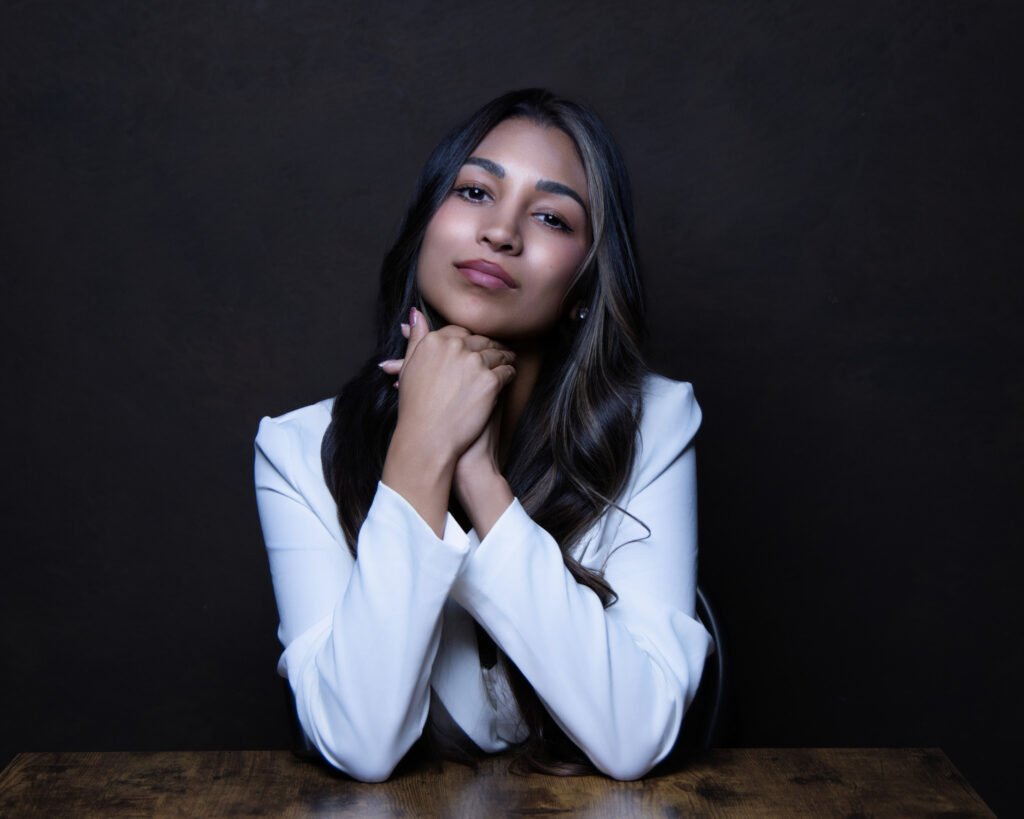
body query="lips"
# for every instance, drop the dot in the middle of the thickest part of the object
(486, 274)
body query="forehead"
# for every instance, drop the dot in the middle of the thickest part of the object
(531, 152)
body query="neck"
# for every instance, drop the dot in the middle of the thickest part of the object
(529, 358)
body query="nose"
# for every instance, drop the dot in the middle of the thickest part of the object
(500, 232)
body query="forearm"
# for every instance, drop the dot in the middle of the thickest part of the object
(421, 472)
(361, 676)
(618, 685)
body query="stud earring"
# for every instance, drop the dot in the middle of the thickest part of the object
(582, 313)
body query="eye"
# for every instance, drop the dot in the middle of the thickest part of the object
(471, 193)
(554, 222)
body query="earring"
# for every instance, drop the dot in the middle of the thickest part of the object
(582, 313)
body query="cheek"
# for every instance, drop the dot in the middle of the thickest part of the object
(432, 249)
(561, 264)
(446, 226)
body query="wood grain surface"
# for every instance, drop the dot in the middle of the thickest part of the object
(724, 782)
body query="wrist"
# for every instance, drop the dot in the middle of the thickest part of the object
(422, 475)
(485, 495)
(476, 475)
(421, 453)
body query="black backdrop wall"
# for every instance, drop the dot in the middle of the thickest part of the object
(196, 198)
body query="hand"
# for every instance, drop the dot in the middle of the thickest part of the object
(477, 482)
(448, 422)
(450, 382)
(479, 464)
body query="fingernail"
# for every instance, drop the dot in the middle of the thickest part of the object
(412, 316)
(385, 362)
(405, 329)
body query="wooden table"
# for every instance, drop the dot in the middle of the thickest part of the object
(724, 782)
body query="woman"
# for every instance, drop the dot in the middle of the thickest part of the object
(489, 536)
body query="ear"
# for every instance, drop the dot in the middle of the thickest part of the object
(578, 313)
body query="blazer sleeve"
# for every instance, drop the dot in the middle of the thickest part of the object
(360, 635)
(618, 680)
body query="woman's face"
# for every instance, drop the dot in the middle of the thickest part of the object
(500, 253)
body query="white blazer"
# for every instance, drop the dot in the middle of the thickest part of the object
(366, 639)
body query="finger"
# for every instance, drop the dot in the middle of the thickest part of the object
(492, 358)
(418, 329)
(479, 343)
(392, 366)
(453, 331)
(421, 318)
(505, 373)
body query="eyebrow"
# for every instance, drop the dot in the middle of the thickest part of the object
(546, 185)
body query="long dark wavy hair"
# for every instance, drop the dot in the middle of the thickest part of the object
(573, 448)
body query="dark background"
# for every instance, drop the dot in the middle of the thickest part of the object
(196, 199)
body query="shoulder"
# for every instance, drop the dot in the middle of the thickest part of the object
(670, 418)
(670, 410)
(291, 442)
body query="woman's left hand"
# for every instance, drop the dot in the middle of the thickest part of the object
(479, 463)
(478, 484)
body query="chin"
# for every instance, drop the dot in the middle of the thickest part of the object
(478, 322)
(483, 327)
(496, 321)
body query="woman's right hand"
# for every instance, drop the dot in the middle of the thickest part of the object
(450, 382)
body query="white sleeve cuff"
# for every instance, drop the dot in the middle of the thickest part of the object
(394, 503)
(513, 535)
